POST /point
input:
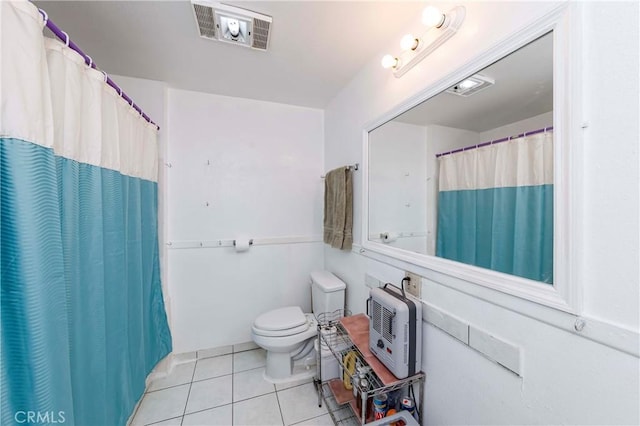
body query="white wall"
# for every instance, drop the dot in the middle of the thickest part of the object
(527, 125)
(566, 377)
(262, 181)
(397, 183)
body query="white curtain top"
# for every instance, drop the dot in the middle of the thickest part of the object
(50, 97)
(525, 161)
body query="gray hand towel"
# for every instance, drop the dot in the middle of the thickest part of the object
(338, 208)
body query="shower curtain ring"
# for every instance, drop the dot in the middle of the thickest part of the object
(106, 77)
(119, 91)
(44, 16)
(66, 42)
(90, 60)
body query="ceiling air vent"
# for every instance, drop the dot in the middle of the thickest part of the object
(230, 24)
(260, 34)
(205, 21)
(471, 85)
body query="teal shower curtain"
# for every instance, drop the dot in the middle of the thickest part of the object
(495, 207)
(82, 316)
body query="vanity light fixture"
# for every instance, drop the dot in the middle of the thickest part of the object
(389, 61)
(409, 42)
(440, 28)
(433, 17)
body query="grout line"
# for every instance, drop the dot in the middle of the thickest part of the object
(214, 377)
(207, 409)
(294, 386)
(189, 393)
(168, 387)
(232, 377)
(172, 418)
(213, 356)
(246, 350)
(248, 369)
(279, 408)
(311, 418)
(255, 396)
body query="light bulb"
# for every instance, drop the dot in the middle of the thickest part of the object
(432, 17)
(468, 84)
(388, 61)
(409, 42)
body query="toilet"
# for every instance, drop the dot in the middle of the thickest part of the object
(288, 334)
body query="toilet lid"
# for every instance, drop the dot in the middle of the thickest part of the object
(281, 319)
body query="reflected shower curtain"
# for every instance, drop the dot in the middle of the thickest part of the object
(82, 318)
(495, 207)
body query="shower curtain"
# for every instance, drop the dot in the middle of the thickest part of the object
(82, 318)
(495, 207)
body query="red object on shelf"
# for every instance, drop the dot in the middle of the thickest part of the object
(341, 394)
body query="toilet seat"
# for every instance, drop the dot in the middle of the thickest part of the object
(282, 322)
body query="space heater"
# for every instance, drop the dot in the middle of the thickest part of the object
(395, 330)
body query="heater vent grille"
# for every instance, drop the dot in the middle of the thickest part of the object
(387, 325)
(206, 23)
(376, 316)
(260, 34)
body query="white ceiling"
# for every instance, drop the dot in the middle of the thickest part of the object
(316, 47)
(523, 88)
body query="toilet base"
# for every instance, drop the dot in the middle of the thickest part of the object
(301, 371)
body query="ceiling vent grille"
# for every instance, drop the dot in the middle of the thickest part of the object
(230, 24)
(260, 34)
(205, 21)
(474, 84)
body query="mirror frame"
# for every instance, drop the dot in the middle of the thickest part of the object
(565, 293)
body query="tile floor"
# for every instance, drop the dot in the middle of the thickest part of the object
(228, 390)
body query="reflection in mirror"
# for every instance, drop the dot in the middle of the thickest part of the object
(468, 174)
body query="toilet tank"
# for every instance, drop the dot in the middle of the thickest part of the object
(327, 292)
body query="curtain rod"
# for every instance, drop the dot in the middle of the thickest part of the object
(87, 60)
(480, 145)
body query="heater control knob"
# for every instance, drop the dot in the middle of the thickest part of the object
(380, 343)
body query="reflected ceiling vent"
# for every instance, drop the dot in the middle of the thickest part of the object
(471, 85)
(217, 21)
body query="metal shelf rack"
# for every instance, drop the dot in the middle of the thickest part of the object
(341, 403)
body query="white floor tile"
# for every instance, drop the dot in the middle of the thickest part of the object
(213, 367)
(209, 394)
(220, 416)
(249, 359)
(300, 403)
(208, 353)
(247, 346)
(181, 374)
(283, 386)
(185, 357)
(323, 420)
(161, 405)
(250, 383)
(262, 411)
(177, 421)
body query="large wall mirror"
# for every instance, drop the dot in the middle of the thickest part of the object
(467, 175)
